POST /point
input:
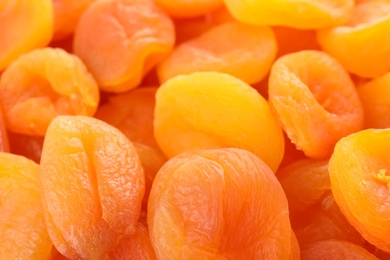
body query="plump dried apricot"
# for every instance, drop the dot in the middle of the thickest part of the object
(222, 203)
(43, 84)
(66, 16)
(360, 183)
(92, 185)
(188, 8)
(121, 40)
(4, 144)
(375, 97)
(315, 101)
(241, 50)
(22, 225)
(295, 14)
(208, 110)
(335, 249)
(25, 25)
(305, 182)
(362, 46)
(133, 114)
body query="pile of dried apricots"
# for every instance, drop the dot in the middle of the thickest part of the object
(194, 129)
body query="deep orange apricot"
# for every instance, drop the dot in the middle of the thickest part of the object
(121, 40)
(207, 110)
(25, 25)
(43, 84)
(133, 114)
(335, 249)
(188, 8)
(244, 51)
(360, 181)
(362, 46)
(22, 225)
(92, 186)
(314, 100)
(66, 16)
(375, 97)
(214, 204)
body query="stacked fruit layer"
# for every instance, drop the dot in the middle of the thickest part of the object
(193, 129)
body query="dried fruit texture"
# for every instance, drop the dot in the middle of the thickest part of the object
(188, 8)
(151, 161)
(137, 246)
(362, 46)
(4, 144)
(335, 249)
(305, 182)
(315, 101)
(207, 110)
(291, 40)
(22, 226)
(360, 183)
(244, 51)
(133, 114)
(295, 14)
(66, 16)
(375, 97)
(92, 184)
(119, 51)
(222, 203)
(26, 145)
(324, 221)
(43, 84)
(17, 37)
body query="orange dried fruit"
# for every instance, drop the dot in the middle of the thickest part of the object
(188, 8)
(25, 25)
(362, 46)
(4, 144)
(241, 50)
(22, 225)
(92, 185)
(207, 110)
(314, 100)
(207, 204)
(360, 182)
(43, 84)
(119, 51)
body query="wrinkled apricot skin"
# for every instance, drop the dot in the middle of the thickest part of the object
(359, 178)
(92, 186)
(22, 225)
(243, 51)
(375, 97)
(207, 110)
(335, 249)
(25, 25)
(120, 51)
(314, 100)
(217, 204)
(363, 45)
(295, 14)
(43, 84)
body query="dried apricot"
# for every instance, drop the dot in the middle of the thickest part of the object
(360, 182)
(119, 51)
(241, 50)
(92, 185)
(43, 84)
(188, 8)
(315, 101)
(206, 110)
(22, 225)
(222, 203)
